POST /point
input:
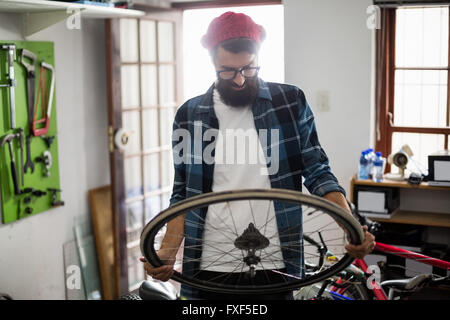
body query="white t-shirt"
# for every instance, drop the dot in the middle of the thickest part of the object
(239, 164)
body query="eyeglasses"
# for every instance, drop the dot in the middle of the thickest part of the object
(246, 72)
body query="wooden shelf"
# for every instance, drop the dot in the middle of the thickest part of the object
(432, 219)
(418, 218)
(397, 184)
(137, 5)
(90, 11)
(40, 14)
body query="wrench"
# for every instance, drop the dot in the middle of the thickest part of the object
(29, 163)
(21, 138)
(31, 74)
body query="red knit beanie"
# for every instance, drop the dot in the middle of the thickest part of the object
(231, 25)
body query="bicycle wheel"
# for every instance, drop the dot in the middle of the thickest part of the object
(130, 296)
(357, 291)
(247, 252)
(354, 289)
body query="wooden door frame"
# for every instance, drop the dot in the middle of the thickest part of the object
(116, 157)
(385, 48)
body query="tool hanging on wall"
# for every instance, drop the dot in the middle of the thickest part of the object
(55, 202)
(28, 195)
(7, 139)
(48, 140)
(31, 76)
(42, 92)
(31, 192)
(11, 53)
(46, 159)
(21, 143)
(29, 163)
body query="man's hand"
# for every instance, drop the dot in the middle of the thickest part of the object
(366, 247)
(168, 251)
(164, 272)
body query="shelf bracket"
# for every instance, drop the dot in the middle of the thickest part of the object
(37, 21)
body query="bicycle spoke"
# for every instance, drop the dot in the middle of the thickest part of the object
(231, 273)
(235, 232)
(322, 230)
(315, 217)
(224, 253)
(267, 277)
(232, 219)
(268, 221)
(216, 229)
(253, 215)
(225, 275)
(267, 217)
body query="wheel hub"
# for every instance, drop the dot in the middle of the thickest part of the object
(251, 240)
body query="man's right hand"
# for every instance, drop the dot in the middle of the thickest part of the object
(162, 273)
(168, 250)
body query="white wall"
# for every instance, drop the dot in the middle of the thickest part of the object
(328, 48)
(31, 250)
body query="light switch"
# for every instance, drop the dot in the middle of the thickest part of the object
(323, 101)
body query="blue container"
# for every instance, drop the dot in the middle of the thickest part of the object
(378, 164)
(363, 168)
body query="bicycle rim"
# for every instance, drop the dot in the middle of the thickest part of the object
(312, 208)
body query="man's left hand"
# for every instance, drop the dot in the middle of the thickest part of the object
(366, 247)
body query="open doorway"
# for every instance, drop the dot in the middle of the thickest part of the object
(144, 63)
(198, 70)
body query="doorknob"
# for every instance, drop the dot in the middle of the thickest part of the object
(122, 138)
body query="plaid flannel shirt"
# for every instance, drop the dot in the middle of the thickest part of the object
(278, 106)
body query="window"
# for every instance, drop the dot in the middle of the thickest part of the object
(199, 71)
(413, 80)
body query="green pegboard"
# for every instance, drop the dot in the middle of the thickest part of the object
(14, 207)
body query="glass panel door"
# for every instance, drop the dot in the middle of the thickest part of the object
(149, 102)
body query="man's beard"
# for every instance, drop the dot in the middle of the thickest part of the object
(238, 98)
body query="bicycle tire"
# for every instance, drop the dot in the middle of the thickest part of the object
(350, 224)
(130, 296)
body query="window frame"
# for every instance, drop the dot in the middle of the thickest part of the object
(385, 87)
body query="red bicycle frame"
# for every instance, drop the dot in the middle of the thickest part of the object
(381, 247)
